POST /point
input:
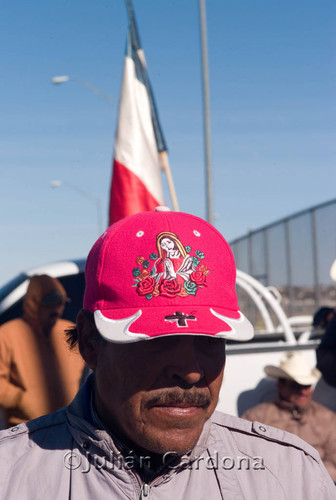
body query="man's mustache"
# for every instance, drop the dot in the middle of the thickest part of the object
(180, 397)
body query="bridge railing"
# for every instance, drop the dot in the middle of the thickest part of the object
(294, 255)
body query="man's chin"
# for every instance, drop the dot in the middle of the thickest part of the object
(177, 441)
(173, 428)
(302, 405)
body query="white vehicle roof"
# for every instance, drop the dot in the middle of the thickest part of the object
(19, 286)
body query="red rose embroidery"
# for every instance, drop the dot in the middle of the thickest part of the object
(146, 286)
(140, 260)
(169, 288)
(198, 278)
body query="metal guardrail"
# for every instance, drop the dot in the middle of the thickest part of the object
(293, 254)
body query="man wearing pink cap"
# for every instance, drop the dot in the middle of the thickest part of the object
(159, 303)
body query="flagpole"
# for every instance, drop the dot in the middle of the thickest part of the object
(206, 110)
(164, 162)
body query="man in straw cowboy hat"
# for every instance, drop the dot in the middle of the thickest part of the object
(294, 411)
(143, 425)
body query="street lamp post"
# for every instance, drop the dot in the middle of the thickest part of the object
(206, 110)
(85, 194)
(58, 80)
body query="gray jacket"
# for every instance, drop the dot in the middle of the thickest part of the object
(62, 456)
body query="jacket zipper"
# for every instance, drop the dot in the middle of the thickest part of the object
(145, 489)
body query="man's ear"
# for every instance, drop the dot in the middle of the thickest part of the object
(89, 340)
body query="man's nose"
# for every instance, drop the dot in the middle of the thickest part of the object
(305, 390)
(185, 364)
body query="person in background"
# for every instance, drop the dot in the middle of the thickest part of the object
(38, 372)
(144, 426)
(325, 391)
(322, 317)
(294, 411)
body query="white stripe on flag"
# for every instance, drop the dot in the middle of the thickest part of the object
(135, 145)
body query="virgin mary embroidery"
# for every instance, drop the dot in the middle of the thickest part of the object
(174, 271)
(174, 262)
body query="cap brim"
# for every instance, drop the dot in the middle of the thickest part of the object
(132, 325)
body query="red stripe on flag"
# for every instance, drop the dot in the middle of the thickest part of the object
(128, 194)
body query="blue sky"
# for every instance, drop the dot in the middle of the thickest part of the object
(272, 90)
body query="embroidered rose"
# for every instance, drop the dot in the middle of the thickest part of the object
(199, 278)
(191, 287)
(145, 273)
(188, 249)
(140, 260)
(146, 286)
(203, 268)
(145, 264)
(169, 288)
(153, 256)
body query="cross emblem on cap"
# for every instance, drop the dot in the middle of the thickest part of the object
(180, 318)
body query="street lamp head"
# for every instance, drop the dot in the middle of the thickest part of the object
(60, 79)
(55, 184)
(86, 194)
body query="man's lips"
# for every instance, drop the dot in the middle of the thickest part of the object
(179, 405)
(177, 412)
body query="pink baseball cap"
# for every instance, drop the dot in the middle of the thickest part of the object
(163, 273)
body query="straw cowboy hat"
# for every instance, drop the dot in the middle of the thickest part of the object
(294, 366)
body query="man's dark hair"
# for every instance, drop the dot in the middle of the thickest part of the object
(71, 334)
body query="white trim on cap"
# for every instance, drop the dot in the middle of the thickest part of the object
(117, 330)
(244, 330)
